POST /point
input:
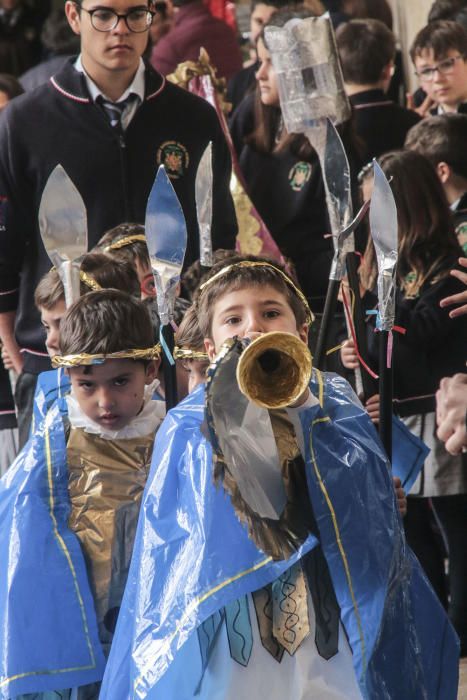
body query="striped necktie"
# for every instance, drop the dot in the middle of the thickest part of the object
(115, 110)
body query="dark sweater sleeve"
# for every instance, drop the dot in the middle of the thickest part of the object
(224, 220)
(242, 123)
(423, 318)
(11, 220)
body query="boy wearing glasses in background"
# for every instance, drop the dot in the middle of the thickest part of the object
(110, 120)
(439, 55)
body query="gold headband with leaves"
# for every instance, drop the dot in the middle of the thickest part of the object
(188, 354)
(83, 358)
(256, 263)
(123, 242)
(89, 281)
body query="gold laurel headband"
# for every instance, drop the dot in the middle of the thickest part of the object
(122, 242)
(153, 353)
(187, 354)
(89, 281)
(254, 263)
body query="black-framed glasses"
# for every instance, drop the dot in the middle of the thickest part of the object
(104, 19)
(443, 67)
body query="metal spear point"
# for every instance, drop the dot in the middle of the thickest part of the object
(384, 232)
(63, 227)
(203, 196)
(166, 237)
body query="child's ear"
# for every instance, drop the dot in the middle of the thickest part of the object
(151, 371)
(444, 171)
(210, 348)
(303, 332)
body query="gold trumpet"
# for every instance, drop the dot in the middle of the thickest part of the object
(274, 370)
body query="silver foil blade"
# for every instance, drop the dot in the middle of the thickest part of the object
(63, 227)
(203, 195)
(166, 237)
(384, 232)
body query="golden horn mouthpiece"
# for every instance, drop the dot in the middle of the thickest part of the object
(274, 370)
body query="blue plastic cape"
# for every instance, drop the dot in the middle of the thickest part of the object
(47, 619)
(408, 454)
(192, 557)
(50, 386)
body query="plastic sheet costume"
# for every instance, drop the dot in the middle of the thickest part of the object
(195, 564)
(49, 630)
(50, 386)
(69, 507)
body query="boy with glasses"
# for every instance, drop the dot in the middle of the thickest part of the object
(110, 120)
(439, 55)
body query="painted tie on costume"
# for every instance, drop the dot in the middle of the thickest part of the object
(290, 610)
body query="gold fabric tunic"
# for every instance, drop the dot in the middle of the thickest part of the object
(106, 482)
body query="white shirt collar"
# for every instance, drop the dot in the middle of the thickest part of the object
(137, 86)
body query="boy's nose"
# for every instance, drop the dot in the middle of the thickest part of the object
(106, 400)
(121, 27)
(255, 326)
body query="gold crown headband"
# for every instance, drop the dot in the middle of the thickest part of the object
(89, 281)
(83, 358)
(122, 242)
(253, 263)
(188, 354)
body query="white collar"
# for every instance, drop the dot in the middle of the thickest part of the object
(137, 86)
(146, 422)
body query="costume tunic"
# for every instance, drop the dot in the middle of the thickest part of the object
(113, 172)
(193, 559)
(68, 512)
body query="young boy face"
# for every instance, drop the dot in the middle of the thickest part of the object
(195, 370)
(107, 53)
(447, 85)
(50, 319)
(111, 394)
(146, 279)
(249, 312)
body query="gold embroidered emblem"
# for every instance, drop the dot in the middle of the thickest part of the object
(174, 157)
(299, 175)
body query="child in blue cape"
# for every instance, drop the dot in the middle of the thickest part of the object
(325, 600)
(97, 271)
(69, 504)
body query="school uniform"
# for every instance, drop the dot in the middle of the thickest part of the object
(380, 123)
(459, 211)
(433, 347)
(8, 423)
(288, 193)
